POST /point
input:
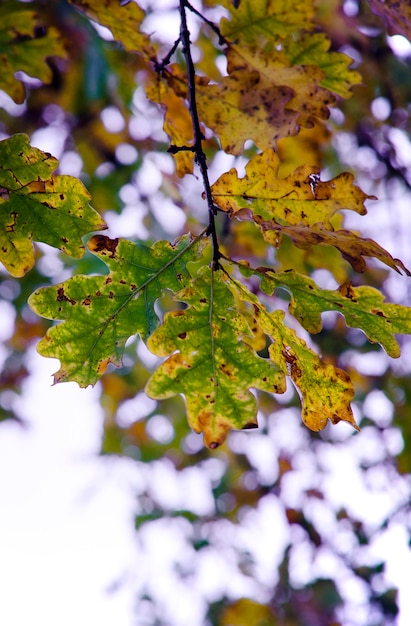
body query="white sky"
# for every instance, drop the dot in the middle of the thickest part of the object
(66, 522)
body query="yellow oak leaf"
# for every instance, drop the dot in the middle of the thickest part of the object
(300, 198)
(177, 122)
(240, 108)
(124, 21)
(309, 99)
(352, 247)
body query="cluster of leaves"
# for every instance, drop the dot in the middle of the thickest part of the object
(281, 78)
(211, 303)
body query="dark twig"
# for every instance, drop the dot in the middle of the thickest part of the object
(197, 147)
(159, 66)
(221, 40)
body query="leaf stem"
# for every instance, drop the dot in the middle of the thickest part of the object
(200, 156)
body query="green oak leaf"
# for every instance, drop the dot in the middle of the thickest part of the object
(326, 391)
(313, 49)
(362, 307)
(24, 47)
(102, 312)
(256, 20)
(37, 206)
(211, 363)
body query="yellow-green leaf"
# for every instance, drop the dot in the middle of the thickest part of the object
(211, 363)
(300, 198)
(313, 49)
(25, 47)
(362, 307)
(102, 312)
(326, 391)
(37, 206)
(123, 19)
(260, 20)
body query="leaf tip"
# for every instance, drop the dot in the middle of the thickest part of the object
(213, 445)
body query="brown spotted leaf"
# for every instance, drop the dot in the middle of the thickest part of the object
(101, 312)
(362, 307)
(240, 108)
(35, 205)
(271, 41)
(326, 391)
(211, 362)
(352, 247)
(300, 198)
(315, 75)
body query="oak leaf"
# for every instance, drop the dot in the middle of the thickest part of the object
(240, 108)
(362, 307)
(260, 20)
(300, 198)
(211, 362)
(313, 49)
(352, 247)
(38, 206)
(326, 391)
(102, 312)
(25, 48)
(177, 123)
(124, 21)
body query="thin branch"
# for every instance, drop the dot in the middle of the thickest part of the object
(200, 156)
(221, 40)
(159, 66)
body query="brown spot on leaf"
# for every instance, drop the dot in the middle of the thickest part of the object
(61, 296)
(103, 245)
(86, 301)
(347, 291)
(182, 335)
(377, 312)
(227, 370)
(10, 227)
